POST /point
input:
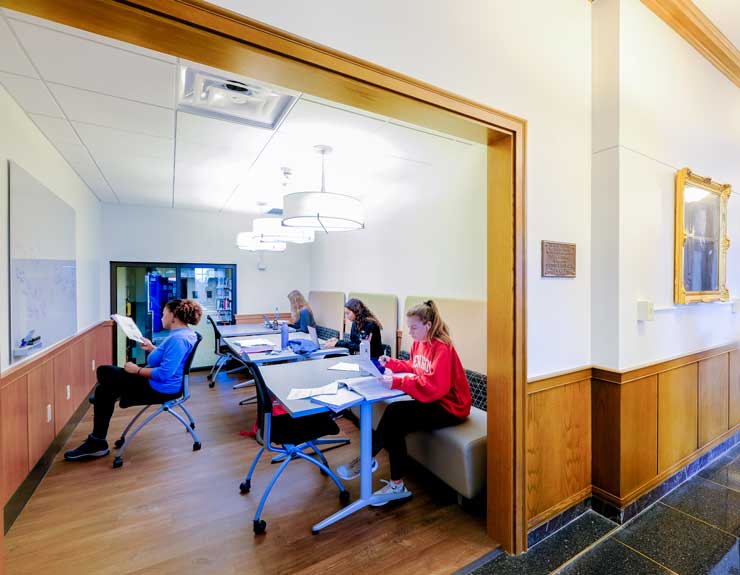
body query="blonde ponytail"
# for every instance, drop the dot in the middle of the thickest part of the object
(428, 312)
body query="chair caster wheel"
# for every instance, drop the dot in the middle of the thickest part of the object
(211, 384)
(344, 496)
(192, 426)
(209, 377)
(117, 462)
(91, 399)
(259, 527)
(314, 531)
(197, 446)
(245, 486)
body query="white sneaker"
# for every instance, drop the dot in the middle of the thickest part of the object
(392, 491)
(351, 470)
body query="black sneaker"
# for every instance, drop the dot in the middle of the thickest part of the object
(92, 448)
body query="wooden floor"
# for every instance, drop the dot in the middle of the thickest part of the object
(172, 510)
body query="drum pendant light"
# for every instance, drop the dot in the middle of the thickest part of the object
(323, 211)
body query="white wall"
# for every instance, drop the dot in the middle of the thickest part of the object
(424, 235)
(23, 143)
(675, 110)
(530, 58)
(133, 233)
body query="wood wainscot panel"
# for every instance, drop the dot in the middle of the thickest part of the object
(78, 372)
(558, 448)
(713, 397)
(103, 346)
(41, 430)
(606, 441)
(677, 414)
(14, 435)
(639, 433)
(63, 396)
(734, 407)
(89, 364)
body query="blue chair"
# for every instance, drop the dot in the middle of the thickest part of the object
(224, 356)
(168, 406)
(288, 437)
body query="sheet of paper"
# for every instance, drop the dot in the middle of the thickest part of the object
(344, 366)
(328, 389)
(128, 326)
(252, 342)
(372, 388)
(343, 399)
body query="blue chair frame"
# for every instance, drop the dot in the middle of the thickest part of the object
(286, 452)
(169, 407)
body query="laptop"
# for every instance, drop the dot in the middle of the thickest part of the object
(367, 364)
(313, 335)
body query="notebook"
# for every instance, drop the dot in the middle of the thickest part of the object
(353, 390)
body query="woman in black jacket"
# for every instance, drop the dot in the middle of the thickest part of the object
(364, 325)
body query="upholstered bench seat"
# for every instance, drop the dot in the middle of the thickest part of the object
(457, 454)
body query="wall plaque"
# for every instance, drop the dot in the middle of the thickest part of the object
(558, 260)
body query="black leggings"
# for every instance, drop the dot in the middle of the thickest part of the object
(115, 383)
(401, 418)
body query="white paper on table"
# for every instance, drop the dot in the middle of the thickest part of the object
(253, 342)
(345, 366)
(303, 393)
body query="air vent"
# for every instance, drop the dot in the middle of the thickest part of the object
(240, 100)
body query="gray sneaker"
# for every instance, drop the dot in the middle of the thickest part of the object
(391, 492)
(351, 470)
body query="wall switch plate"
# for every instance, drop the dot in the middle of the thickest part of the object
(93, 365)
(69, 392)
(48, 413)
(645, 311)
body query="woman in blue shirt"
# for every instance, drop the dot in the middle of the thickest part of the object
(301, 316)
(159, 381)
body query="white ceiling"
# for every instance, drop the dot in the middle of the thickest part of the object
(110, 109)
(725, 14)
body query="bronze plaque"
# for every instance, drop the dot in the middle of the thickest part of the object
(558, 260)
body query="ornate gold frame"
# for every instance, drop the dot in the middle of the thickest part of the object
(680, 295)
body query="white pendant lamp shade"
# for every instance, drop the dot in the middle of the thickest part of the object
(323, 211)
(254, 242)
(272, 230)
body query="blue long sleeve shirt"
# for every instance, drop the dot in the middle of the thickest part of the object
(168, 360)
(305, 319)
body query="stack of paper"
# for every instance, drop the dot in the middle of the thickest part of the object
(345, 366)
(342, 399)
(303, 393)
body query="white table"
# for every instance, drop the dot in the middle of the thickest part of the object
(247, 329)
(280, 379)
(266, 357)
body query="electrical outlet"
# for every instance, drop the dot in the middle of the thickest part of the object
(93, 365)
(69, 392)
(48, 413)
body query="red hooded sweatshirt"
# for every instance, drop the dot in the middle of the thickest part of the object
(438, 376)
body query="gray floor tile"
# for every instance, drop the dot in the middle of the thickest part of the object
(725, 471)
(553, 551)
(681, 543)
(612, 558)
(709, 502)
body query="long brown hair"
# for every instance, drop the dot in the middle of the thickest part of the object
(428, 312)
(362, 313)
(297, 303)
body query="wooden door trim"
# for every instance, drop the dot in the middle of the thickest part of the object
(216, 37)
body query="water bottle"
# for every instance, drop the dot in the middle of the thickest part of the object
(283, 335)
(365, 349)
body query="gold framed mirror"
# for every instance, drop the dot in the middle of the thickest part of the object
(701, 241)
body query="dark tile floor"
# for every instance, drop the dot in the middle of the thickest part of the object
(692, 530)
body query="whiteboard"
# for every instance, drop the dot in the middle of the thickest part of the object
(43, 264)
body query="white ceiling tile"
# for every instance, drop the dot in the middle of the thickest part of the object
(31, 94)
(57, 130)
(65, 59)
(88, 35)
(212, 157)
(111, 112)
(110, 141)
(12, 58)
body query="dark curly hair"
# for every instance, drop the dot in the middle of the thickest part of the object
(187, 311)
(362, 313)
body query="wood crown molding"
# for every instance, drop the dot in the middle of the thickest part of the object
(693, 26)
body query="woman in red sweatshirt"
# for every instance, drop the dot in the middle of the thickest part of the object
(438, 386)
